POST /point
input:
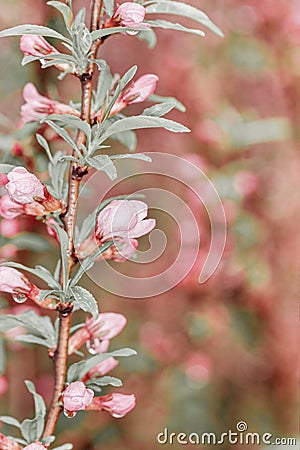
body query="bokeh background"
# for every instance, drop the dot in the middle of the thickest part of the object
(209, 355)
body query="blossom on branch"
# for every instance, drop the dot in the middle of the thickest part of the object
(96, 334)
(101, 368)
(118, 405)
(138, 92)
(15, 283)
(8, 444)
(76, 397)
(37, 106)
(35, 446)
(131, 15)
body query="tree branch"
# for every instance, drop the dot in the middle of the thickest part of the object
(75, 177)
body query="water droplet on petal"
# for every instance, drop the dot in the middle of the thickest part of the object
(70, 414)
(19, 298)
(90, 348)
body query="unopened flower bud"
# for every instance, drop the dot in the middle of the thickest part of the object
(76, 397)
(118, 405)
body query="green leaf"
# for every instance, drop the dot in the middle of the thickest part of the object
(140, 156)
(127, 138)
(64, 244)
(31, 241)
(104, 84)
(78, 370)
(40, 326)
(164, 24)
(6, 168)
(109, 6)
(62, 133)
(10, 421)
(31, 339)
(148, 36)
(39, 271)
(65, 11)
(43, 143)
(140, 122)
(71, 121)
(48, 440)
(98, 34)
(57, 171)
(159, 110)
(39, 404)
(104, 381)
(39, 30)
(159, 99)
(82, 40)
(85, 300)
(32, 429)
(2, 355)
(103, 163)
(184, 10)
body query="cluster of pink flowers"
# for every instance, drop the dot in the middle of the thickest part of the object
(122, 221)
(26, 195)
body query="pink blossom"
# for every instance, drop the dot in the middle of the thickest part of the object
(9, 209)
(3, 384)
(124, 219)
(24, 187)
(37, 106)
(131, 15)
(12, 281)
(77, 397)
(35, 446)
(102, 368)
(9, 227)
(97, 332)
(138, 92)
(33, 45)
(121, 250)
(118, 405)
(8, 444)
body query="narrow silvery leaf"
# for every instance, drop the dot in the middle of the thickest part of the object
(184, 10)
(108, 31)
(148, 36)
(32, 429)
(96, 383)
(82, 40)
(103, 163)
(80, 18)
(65, 11)
(159, 99)
(164, 24)
(159, 110)
(103, 86)
(6, 168)
(64, 242)
(39, 404)
(78, 370)
(86, 300)
(39, 30)
(31, 241)
(2, 355)
(140, 122)
(48, 440)
(43, 143)
(127, 138)
(10, 421)
(31, 339)
(62, 133)
(72, 121)
(109, 7)
(140, 156)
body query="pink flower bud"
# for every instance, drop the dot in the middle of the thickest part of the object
(35, 446)
(37, 106)
(102, 368)
(77, 397)
(8, 444)
(138, 92)
(9, 227)
(24, 187)
(13, 282)
(121, 250)
(131, 15)
(9, 209)
(123, 219)
(118, 405)
(33, 45)
(101, 330)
